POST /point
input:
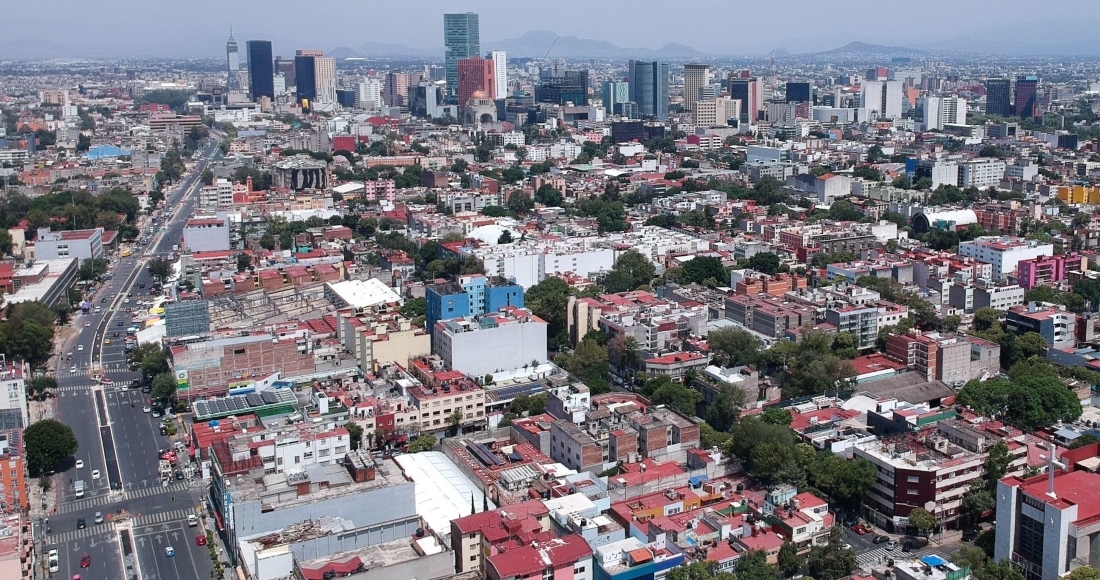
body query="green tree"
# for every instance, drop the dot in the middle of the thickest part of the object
(163, 387)
(726, 407)
(630, 270)
(985, 318)
(1083, 440)
(973, 558)
(678, 397)
(921, 519)
(788, 559)
(1029, 402)
(423, 443)
(764, 262)
(548, 300)
(549, 196)
(589, 362)
(733, 346)
(700, 268)
(902, 182)
(159, 269)
(267, 241)
(1001, 570)
(1083, 573)
(355, 433)
(831, 561)
(39, 387)
(155, 362)
(505, 237)
(754, 565)
(847, 482)
(47, 443)
(520, 202)
(776, 416)
(244, 260)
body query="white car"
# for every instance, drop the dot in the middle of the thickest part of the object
(95, 474)
(72, 369)
(80, 464)
(54, 565)
(146, 409)
(80, 347)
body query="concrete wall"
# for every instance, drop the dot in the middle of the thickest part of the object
(326, 546)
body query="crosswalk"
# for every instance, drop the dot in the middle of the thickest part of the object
(87, 373)
(880, 555)
(162, 517)
(88, 532)
(131, 494)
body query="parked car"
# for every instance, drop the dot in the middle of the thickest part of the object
(907, 547)
(892, 545)
(859, 529)
(970, 534)
(880, 539)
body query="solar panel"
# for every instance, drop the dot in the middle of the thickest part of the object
(269, 397)
(254, 400)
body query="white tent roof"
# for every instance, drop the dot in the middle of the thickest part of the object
(442, 490)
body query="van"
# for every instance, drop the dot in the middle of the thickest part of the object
(79, 487)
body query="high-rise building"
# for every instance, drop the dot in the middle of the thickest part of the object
(500, 69)
(305, 70)
(286, 67)
(649, 87)
(716, 112)
(462, 39)
(998, 100)
(475, 74)
(324, 74)
(562, 86)
(798, 93)
(368, 93)
(885, 97)
(1026, 104)
(233, 61)
(396, 91)
(695, 76)
(614, 92)
(939, 111)
(261, 73)
(750, 91)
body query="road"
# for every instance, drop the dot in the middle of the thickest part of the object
(118, 439)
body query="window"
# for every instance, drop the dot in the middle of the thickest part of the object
(474, 557)
(912, 491)
(914, 479)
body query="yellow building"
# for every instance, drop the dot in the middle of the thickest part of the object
(1079, 194)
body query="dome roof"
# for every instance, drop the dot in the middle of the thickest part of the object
(479, 94)
(489, 234)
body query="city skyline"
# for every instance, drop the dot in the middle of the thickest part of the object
(51, 30)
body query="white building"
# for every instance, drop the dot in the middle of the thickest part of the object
(716, 112)
(490, 343)
(1004, 252)
(885, 97)
(940, 111)
(368, 93)
(500, 72)
(13, 390)
(206, 234)
(80, 244)
(981, 173)
(218, 195)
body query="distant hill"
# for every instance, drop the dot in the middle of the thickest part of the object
(536, 43)
(865, 48)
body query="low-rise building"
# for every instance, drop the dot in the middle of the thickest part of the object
(487, 343)
(79, 244)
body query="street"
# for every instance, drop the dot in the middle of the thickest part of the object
(117, 439)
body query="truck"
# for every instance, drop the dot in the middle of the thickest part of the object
(79, 488)
(165, 468)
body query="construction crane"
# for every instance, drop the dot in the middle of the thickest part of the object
(547, 54)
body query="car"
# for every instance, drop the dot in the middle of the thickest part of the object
(179, 475)
(970, 534)
(106, 341)
(880, 539)
(859, 529)
(95, 474)
(85, 561)
(127, 301)
(847, 546)
(76, 576)
(120, 323)
(80, 347)
(907, 547)
(892, 545)
(163, 430)
(146, 408)
(108, 382)
(53, 560)
(103, 300)
(72, 369)
(88, 323)
(81, 524)
(200, 540)
(146, 389)
(156, 413)
(169, 551)
(127, 310)
(98, 518)
(192, 521)
(80, 464)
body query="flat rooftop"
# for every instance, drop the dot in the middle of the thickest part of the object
(268, 488)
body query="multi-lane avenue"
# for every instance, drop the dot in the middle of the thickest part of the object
(119, 441)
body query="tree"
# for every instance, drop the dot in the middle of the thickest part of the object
(1083, 573)
(39, 387)
(159, 269)
(423, 443)
(459, 165)
(1028, 402)
(902, 182)
(548, 300)
(764, 262)
(355, 433)
(1083, 440)
(997, 464)
(244, 260)
(776, 416)
(267, 241)
(1002, 570)
(589, 362)
(701, 268)
(847, 482)
(973, 558)
(155, 362)
(921, 519)
(831, 561)
(505, 237)
(549, 196)
(5, 243)
(733, 346)
(1030, 344)
(754, 565)
(630, 270)
(985, 318)
(726, 407)
(163, 387)
(47, 443)
(677, 396)
(788, 559)
(520, 202)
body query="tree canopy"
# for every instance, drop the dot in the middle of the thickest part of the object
(1029, 402)
(48, 442)
(631, 270)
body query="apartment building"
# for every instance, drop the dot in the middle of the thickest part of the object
(860, 321)
(493, 342)
(446, 399)
(1057, 326)
(768, 316)
(79, 244)
(1048, 270)
(1004, 252)
(951, 359)
(13, 393)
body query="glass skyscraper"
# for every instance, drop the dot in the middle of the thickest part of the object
(649, 88)
(998, 100)
(233, 61)
(462, 38)
(261, 73)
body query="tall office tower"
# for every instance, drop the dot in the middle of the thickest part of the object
(1026, 104)
(750, 91)
(368, 93)
(233, 61)
(940, 111)
(695, 76)
(286, 67)
(279, 83)
(500, 78)
(716, 112)
(475, 74)
(998, 100)
(396, 91)
(462, 39)
(882, 96)
(798, 93)
(877, 73)
(614, 93)
(649, 87)
(305, 72)
(261, 74)
(324, 74)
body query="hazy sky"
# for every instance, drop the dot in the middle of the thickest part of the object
(200, 27)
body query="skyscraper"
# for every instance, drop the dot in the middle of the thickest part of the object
(261, 74)
(233, 61)
(882, 96)
(475, 74)
(1026, 104)
(462, 39)
(305, 73)
(695, 76)
(798, 93)
(614, 92)
(649, 87)
(500, 68)
(324, 75)
(997, 97)
(285, 65)
(750, 91)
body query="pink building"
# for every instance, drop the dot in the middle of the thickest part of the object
(1047, 270)
(381, 189)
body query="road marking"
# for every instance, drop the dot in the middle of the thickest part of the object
(879, 555)
(130, 494)
(74, 535)
(162, 518)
